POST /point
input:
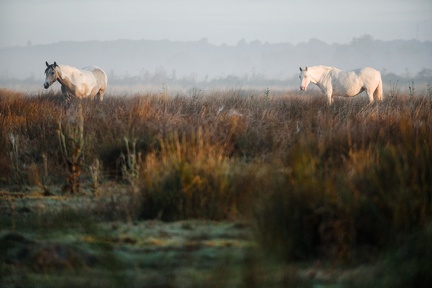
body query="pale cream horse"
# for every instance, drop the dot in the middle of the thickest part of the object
(75, 83)
(335, 82)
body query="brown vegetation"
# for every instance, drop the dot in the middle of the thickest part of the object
(316, 182)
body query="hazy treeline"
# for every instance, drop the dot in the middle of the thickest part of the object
(191, 63)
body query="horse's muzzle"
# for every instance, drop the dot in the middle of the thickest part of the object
(46, 85)
(302, 88)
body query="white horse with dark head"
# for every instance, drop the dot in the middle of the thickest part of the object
(75, 83)
(335, 82)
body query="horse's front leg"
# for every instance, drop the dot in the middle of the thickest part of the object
(329, 94)
(68, 99)
(66, 94)
(328, 91)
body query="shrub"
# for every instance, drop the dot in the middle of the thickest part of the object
(188, 178)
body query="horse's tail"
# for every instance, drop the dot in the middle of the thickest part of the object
(378, 93)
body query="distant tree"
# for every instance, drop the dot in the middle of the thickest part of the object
(424, 75)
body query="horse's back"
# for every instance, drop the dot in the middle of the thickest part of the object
(361, 75)
(369, 75)
(99, 74)
(368, 71)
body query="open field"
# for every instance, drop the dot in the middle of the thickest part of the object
(223, 188)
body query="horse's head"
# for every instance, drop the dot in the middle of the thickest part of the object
(304, 79)
(50, 74)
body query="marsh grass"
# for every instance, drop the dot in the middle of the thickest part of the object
(335, 183)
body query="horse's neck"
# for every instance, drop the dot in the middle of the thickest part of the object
(64, 75)
(318, 73)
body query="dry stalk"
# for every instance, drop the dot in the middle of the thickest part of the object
(94, 171)
(71, 139)
(129, 164)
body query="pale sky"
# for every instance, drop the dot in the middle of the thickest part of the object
(220, 21)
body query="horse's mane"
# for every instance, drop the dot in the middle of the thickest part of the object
(325, 67)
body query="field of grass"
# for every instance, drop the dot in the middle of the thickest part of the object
(231, 188)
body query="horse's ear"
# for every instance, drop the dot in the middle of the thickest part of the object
(305, 68)
(55, 64)
(301, 69)
(46, 62)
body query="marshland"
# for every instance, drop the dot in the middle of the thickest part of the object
(216, 188)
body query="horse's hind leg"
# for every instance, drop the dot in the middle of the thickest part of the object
(100, 94)
(330, 99)
(378, 93)
(370, 94)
